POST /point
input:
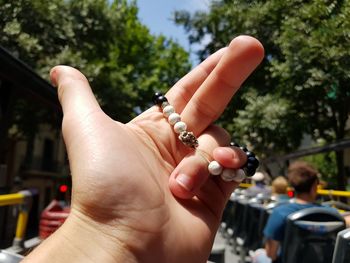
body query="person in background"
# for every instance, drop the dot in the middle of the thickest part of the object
(279, 189)
(259, 186)
(303, 177)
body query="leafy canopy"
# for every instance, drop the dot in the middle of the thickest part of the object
(124, 62)
(306, 67)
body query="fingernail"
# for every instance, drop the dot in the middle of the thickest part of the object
(185, 181)
(53, 77)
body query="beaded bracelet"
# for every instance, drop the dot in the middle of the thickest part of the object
(190, 140)
(248, 169)
(186, 137)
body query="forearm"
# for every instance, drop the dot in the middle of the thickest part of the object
(271, 247)
(79, 242)
(347, 220)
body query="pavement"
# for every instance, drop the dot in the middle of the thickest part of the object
(221, 243)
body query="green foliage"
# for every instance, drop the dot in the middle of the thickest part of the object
(326, 165)
(264, 124)
(307, 68)
(261, 19)
(123, 61)
(315, 47)
(307, 55)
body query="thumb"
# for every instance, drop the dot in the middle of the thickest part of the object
(74, 92)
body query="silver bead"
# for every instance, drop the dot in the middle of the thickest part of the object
(214, 168)
(167, 110)
(188, 139)
(180, 127)
(174, 118)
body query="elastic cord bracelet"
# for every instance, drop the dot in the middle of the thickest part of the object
(237, 175)
(190, 140)
(174, 119)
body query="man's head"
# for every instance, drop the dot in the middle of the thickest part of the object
(303, 177)
(279, 185)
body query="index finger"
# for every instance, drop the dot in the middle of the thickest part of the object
(180, 94)
(240, 59)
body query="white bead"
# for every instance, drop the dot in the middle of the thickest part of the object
(229, 175)
(167, 110)
(240, 176)
(180, 127)
(174, 118)
(214, 168)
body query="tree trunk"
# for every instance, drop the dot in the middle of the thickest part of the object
(7, 98)
(341, 171)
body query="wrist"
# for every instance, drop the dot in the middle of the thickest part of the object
(80, 239)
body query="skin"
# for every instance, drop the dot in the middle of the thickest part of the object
(127, 204)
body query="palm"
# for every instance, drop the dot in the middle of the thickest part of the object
(121, 172)
(109, 184)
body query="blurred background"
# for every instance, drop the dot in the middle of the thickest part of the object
(295, 105)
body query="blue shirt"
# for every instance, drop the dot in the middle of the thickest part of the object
(282, 198)
(276, 223)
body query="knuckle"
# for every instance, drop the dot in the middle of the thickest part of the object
(220, 135)
(204, 111)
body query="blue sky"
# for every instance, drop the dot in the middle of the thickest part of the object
(156, 15)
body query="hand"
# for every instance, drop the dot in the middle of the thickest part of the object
(129, 202)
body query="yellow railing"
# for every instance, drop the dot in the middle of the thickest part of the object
(11, 199)
(336, 193)
(24, 200)
(244, 185)
(323, 192)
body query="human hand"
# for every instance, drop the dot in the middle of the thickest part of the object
(127, 204)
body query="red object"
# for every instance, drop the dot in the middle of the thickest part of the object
(52, 218)
(291, 194)
(63, 188)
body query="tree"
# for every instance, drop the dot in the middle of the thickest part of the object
(230, 18)
(307, 61)
(263, 124)
(123, 61)
(315, 46)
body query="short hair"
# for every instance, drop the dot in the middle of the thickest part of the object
(302, 176)
(279, 185)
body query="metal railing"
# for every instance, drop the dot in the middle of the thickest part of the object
(24, 201)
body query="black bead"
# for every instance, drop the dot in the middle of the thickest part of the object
(253, 161)
(250, 154)
(249, 171)
(156, 96)
(250, 166)
(161, 99)
(243, 148)
(234, 144)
